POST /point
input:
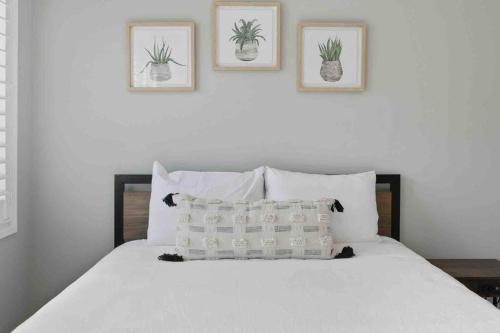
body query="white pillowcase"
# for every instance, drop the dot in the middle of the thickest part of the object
(223, 185)
(356, 192)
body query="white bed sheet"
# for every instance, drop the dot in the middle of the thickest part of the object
(385, 288)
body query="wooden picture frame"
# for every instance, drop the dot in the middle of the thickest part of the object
(317, 75)
(225, 57)
(158, 81)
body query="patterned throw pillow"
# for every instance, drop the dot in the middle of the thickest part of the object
(213, 229)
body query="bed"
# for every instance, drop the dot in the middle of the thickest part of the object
(386, 287)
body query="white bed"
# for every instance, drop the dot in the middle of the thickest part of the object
(385, 288)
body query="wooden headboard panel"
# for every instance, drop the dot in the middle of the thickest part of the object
(132, 207)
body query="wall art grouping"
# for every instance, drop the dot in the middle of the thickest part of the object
(331, 56)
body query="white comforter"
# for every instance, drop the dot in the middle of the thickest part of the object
(385, 288)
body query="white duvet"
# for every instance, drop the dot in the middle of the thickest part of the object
(385, 288)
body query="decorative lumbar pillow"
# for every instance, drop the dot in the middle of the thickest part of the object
(225, 185)
(357, 192)
(214, 229)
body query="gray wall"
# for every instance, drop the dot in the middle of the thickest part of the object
(430, 112)
(15, 250)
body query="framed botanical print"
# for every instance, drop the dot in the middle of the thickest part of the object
(162, 56)
(331, 56)
(246, 35)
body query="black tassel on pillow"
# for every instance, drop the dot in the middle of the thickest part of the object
(170, 257)
(347, 252)
(169, 200)
(337, 205)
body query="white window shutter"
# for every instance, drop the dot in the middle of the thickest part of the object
(8, 117)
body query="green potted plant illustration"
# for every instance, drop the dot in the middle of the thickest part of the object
(246, 37)
(159, 63)
(331, 68)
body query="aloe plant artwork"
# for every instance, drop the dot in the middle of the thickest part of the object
(160, 57)
(331, 67)
(246, 37)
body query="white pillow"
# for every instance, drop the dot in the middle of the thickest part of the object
(356, 192)
(216, 229)
(224, 185)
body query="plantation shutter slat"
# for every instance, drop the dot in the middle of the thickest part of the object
(3, 73)
(3, 26)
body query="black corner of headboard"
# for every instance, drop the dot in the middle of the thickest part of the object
(394, 182)
(120, 182)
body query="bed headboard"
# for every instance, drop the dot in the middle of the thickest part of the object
(132, 207)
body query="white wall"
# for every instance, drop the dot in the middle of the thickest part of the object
(430, 112)
(15, 250)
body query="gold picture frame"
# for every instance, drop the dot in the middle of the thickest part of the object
(329, 74)
(222, 59)
(159, 77)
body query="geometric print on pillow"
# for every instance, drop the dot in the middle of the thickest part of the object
(215, 229)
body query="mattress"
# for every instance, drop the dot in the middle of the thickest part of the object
(385, 288)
